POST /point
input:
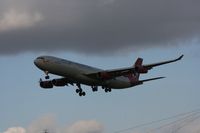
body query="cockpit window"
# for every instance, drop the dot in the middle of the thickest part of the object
(42, 58)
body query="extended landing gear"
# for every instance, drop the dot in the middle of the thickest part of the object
(108, 90)
(47, 77)
(80, 91)
(94, 88)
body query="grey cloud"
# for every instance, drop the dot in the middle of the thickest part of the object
(96, 26)
(14, 20)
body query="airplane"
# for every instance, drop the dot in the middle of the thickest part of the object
(74, 73)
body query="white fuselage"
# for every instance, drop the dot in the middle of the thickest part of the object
(76, 72)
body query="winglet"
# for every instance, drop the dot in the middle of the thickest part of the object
(179, 58)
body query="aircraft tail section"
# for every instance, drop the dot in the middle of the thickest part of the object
(138, 64)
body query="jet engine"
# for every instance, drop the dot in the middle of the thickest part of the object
(59, 82)
(46, 84)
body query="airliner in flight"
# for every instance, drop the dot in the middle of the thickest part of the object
(73, 73)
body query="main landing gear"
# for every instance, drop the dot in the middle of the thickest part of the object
(80, 91)
(94, 88)
(106, 89)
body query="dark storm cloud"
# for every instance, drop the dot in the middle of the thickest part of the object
(95, 26)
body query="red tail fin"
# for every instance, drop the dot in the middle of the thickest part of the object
(133, 78)
(138, 62)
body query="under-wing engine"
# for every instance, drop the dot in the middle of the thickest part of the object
(55, 82)
(60, 82)
(46, 84)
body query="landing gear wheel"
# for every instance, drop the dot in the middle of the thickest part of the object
(83, 93)
(77, 90)
(94, 88)
(106, 90)
(47, 77)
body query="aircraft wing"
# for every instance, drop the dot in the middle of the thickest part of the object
(150, 66)
(110, 74)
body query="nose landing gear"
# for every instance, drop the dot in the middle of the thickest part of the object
(47, 74)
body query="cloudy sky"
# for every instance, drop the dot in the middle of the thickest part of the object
(96, 26)
(106, 34)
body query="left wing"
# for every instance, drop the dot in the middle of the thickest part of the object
(149, 66)
(137, 68)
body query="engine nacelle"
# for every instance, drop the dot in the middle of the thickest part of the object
(141, 70)
(59, 82)
(46, 84)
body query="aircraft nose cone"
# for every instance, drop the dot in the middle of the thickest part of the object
(36, 62)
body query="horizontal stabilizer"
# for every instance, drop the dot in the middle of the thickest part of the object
(145, 80)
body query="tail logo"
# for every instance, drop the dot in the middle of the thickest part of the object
(132, 78)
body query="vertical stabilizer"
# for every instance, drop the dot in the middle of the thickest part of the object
(138, 64)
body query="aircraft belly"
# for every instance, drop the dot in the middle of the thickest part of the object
(116, 84)
(119, 83)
